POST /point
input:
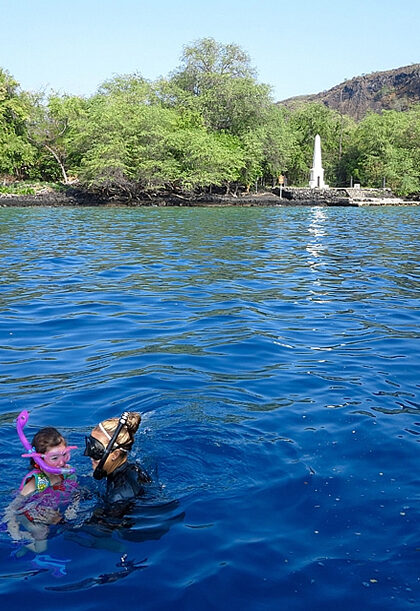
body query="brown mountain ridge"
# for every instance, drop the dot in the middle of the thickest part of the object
(396, 89)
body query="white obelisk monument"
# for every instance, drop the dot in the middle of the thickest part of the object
(316, 180)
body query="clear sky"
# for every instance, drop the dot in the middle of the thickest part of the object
(297, 46)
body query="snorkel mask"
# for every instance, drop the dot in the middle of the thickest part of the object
(21, 420)
(99, 471)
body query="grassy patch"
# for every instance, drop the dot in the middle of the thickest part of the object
(31, 188)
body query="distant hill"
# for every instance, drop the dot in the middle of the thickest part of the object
(389, 90)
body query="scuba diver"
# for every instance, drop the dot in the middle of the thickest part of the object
(118, 511)
(108, 446)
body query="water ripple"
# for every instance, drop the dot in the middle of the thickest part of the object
(273, 354)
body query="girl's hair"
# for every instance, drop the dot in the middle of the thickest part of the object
(45, 439)
(126, 435)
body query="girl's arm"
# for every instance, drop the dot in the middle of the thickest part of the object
(10, 517)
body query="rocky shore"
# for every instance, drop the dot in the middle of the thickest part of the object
(290, 196)
(343, 197)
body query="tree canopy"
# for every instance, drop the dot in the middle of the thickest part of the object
(209, 125)
(16, 153)
(386, 148)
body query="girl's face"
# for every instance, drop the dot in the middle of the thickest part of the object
(57, 456)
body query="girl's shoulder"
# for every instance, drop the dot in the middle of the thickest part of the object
(28, 485)
(34, 481)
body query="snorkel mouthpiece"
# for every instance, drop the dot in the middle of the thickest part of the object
(21, 420)
(100, 472)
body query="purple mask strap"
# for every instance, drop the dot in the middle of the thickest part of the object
(31, 455)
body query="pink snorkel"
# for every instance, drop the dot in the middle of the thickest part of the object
(21, 420)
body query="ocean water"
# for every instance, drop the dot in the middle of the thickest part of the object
(274, 356)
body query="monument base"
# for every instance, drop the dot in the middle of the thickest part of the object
(313, 184)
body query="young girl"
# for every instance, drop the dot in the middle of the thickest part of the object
(45, 491)
(49, 445)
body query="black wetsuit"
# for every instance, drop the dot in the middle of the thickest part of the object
(125, 483)
(114, 510)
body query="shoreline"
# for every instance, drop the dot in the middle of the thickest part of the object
(291, 196)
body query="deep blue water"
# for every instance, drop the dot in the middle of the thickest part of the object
(274, 356)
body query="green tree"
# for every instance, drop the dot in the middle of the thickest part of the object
(51, 128)
(206, 58)
(133, 141)
(279, 144)
(205, 159)
(16, 153)
(387, 147)
(222, 86)
(123, 143)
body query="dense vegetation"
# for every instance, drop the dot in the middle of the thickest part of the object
(209, 126)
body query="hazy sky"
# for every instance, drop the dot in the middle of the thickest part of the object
(296, 46)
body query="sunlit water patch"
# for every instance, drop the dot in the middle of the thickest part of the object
(273, 354)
